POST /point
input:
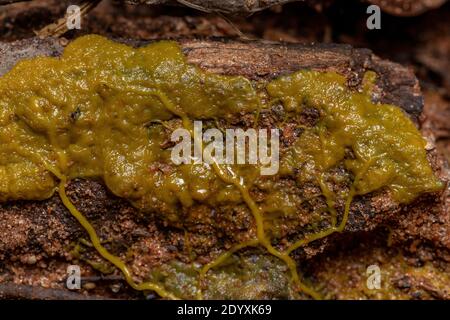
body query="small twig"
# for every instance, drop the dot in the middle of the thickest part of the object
(219, 13)
(3, 2)
(59, 27)
(229, 7)
(194, 6)
(9, 290)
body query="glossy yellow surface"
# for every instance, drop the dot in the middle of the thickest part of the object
(378, 143)
(88, 114)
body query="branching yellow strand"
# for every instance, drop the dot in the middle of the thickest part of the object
(144, 286)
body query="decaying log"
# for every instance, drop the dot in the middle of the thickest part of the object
(407, 7)
(45, 228)
(22, 291)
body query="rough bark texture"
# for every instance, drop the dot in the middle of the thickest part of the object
(37, 237)
(35, 230)
(15, 291)
(228, 6)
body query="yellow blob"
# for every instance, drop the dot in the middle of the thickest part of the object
(89, 114)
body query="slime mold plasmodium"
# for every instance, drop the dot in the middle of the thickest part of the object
(86, 115)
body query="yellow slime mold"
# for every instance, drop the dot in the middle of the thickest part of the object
(88, 114)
